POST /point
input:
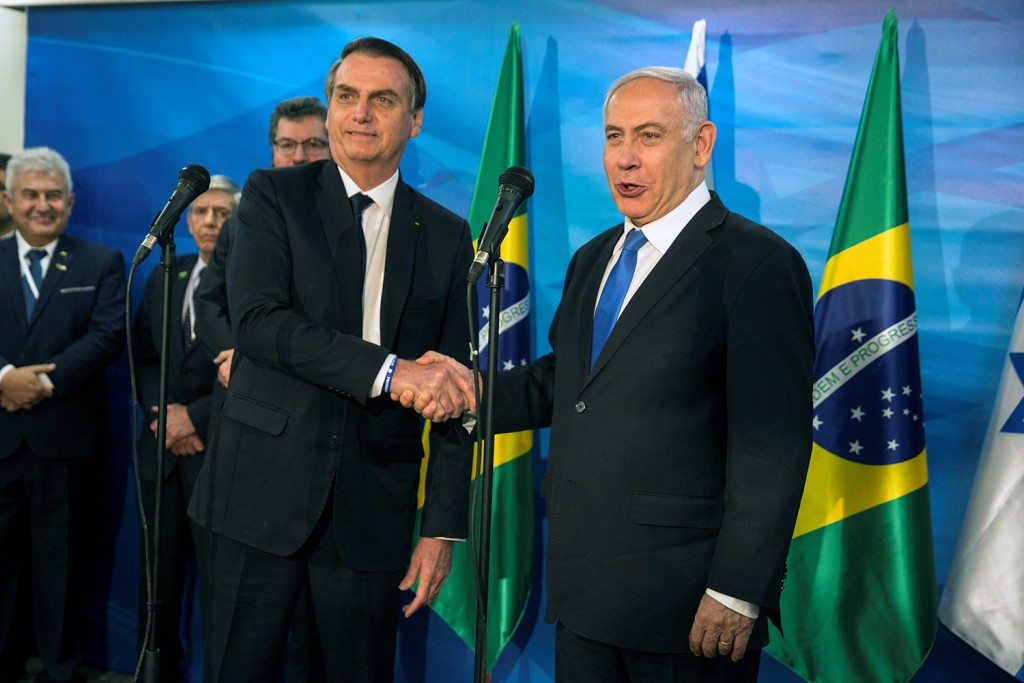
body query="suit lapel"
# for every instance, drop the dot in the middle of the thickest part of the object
(591, 270)
(10, 269)
(340, 232)
(680, 257)
(402, 235)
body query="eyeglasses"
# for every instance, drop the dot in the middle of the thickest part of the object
(310, 147)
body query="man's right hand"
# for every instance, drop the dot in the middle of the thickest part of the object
(21, 386)
(223, 362)
(435, 386)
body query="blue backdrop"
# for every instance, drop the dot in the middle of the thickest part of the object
(132, 93)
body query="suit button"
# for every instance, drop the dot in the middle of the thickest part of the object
(337, 439)
(580, 406)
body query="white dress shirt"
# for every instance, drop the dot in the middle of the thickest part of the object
(375, 227)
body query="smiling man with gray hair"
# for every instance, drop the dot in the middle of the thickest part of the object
(60, 307)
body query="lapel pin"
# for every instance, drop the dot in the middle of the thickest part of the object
(182, 275)
(60, 266)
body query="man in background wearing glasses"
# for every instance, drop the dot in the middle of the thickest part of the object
(297, 136)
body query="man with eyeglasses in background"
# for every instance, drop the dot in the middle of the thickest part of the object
(297, 135)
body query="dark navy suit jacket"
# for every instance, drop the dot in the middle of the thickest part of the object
(677, 463)
(297, 423)
(77, 323)
(190, 373)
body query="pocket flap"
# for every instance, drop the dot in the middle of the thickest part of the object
(659, 509)
(255, 414)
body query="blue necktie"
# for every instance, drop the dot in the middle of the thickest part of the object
(360, 202)
(615, 292)
(35, 257)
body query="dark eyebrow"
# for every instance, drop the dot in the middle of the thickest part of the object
(375, 93)
(649, 124)
(389, 92)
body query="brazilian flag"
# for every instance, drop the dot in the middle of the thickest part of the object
(859, 601)
(511, 538)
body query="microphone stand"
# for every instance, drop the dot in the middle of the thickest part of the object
(151, 662)
(495, 282)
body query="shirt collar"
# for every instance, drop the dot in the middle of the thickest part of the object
(663, 232)
(24, 247)
(383, 195)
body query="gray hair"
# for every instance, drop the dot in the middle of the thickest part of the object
(226, 184)
(37, 160)
(692, 97)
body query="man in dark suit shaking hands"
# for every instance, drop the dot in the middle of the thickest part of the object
(61, 324)
(678, 394)
(341, 272)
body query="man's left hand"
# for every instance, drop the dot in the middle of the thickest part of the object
(718, 630)
(431, 562)
(223, 363)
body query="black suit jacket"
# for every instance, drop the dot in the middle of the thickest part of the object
(297, 420)
(677, 463)
(77, 323)
(190, 373)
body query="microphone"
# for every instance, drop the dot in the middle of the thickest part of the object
(193, 180)
(514, 187)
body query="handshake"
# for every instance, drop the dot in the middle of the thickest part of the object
(434, 385)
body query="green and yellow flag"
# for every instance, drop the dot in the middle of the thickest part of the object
(511, 537)
(859, 602)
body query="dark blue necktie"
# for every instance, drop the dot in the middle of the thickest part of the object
(35, 267)
(614, 293)
(360, 202)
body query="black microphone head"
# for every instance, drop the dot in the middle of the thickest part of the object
(519, 178)
(196, 177)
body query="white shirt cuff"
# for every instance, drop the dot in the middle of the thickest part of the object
(747, 609)
(378, 384)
